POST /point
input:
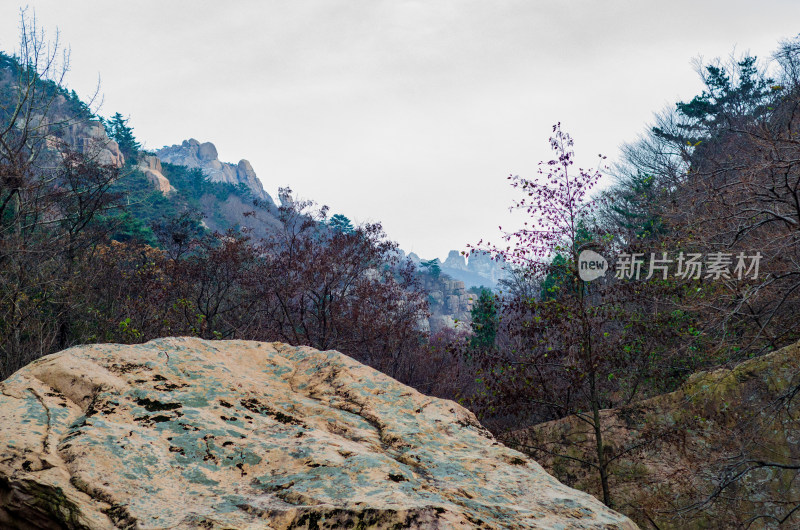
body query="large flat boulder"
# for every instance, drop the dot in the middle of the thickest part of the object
(183, 433)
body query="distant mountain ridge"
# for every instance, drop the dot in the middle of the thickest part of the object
(165, 182)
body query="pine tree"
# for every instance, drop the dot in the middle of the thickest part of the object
(484, 321)
(118, 130)
(340, 223)
(433, 267)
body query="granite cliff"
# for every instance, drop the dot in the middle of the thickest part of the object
(449, 298)
(183, 433)
(87, 137)
(450, 304)
(194, 154)
(479, 270)
(151, 167)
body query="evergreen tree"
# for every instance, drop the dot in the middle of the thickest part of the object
(633, 206)
(559, 278)
(433, 267)
(118, 130)
(340, 223)
(735, 93)
(484, 321)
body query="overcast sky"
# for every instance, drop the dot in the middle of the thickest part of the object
(412, 113)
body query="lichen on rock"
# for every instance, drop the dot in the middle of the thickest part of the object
(186, 433)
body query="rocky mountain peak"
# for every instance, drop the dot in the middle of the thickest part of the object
(479, 270)
(203, 155)
(456, 260)
(206, 151)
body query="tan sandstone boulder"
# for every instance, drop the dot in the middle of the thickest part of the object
(183, 433)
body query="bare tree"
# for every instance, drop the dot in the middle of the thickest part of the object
(49, 196)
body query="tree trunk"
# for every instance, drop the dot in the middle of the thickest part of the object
(594, 398)
(598, 436)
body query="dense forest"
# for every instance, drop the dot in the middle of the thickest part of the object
(91, 253)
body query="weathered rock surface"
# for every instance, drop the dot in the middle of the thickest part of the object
(194, 154)
(151, 167)
(56, 122)
(482, 264)
(479, 270)
(672, 452)
(89, 138)
(183, 433)
(449, 303)
(455, 260)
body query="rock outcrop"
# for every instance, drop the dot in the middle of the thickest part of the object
(480, 270)
(184, 433)
(151, 167)
(482, 264)
(204, 156)
(670, 454)
(63, 131)
(89, 138)
(57, 122)
(450, 304)
(455, 260)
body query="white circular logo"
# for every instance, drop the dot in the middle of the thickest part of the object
(591, 265)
